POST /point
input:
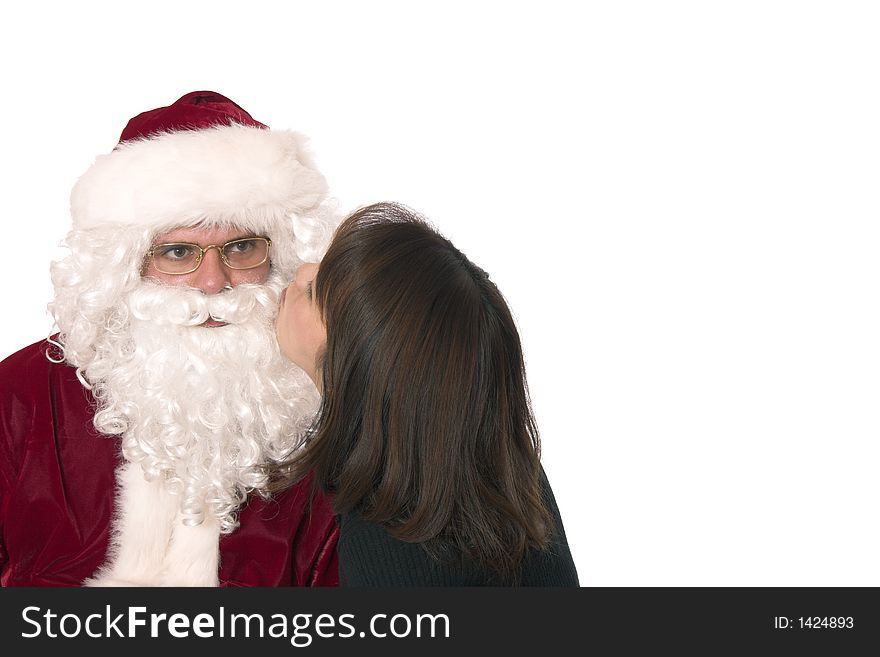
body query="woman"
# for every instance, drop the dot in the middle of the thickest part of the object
(425, 436)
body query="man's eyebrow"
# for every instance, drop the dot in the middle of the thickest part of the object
(191, 241)
(242, 237)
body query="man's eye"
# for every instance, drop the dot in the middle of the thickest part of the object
(176, 252)
(242, 246)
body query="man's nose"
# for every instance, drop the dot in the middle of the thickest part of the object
(212, 275)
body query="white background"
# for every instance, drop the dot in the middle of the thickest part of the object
(679, 201)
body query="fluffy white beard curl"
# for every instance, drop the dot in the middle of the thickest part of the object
(202, 408)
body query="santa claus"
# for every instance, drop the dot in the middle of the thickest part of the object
(134, 443)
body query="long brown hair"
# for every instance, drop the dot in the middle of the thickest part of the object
(425, 425)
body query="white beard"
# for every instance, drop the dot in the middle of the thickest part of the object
(200, 410)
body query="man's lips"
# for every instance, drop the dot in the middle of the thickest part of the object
(211, 323)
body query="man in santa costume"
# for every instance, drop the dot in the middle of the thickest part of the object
(133, 443)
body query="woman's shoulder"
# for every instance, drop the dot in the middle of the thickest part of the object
(554, 565)
(370, 556)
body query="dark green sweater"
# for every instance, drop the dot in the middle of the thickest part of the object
(369, 556)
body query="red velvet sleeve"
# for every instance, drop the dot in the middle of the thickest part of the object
(56, 474)
(286, 540)
(8, 464)
(315, 560)
(4, 485)
(325, 569)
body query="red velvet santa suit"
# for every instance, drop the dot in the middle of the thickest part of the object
(57, 485)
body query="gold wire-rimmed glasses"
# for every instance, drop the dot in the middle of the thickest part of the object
(184, 257)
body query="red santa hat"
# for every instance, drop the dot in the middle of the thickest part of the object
(202, 158)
